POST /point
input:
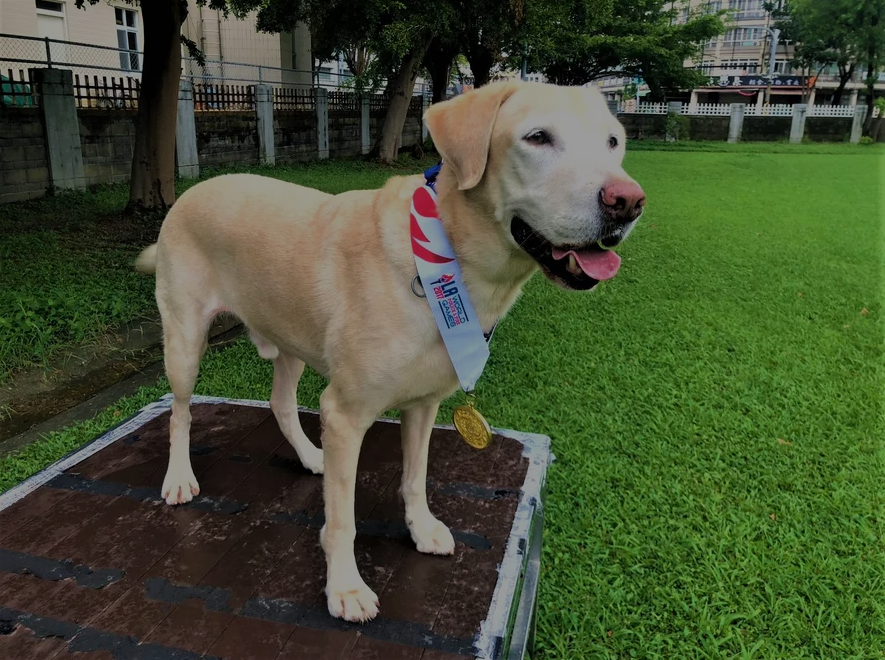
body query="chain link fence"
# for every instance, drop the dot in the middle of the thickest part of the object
(113, 73)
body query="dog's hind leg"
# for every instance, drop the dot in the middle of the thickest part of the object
(428, 533)
(184, 336)
(284, 403)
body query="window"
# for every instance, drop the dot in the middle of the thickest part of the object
(746, 66)
(745, 5)
(51, 25)
(782, 66)
(747, 9)
(745, 36)
(325, 74)
(127, 38)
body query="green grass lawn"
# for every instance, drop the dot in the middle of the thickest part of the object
(66, 261)
(715, 411)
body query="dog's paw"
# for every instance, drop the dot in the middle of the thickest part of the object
(431, 536)
(180, 485)
(352, 602)
(312, 458)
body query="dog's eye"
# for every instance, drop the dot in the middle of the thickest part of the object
(538, 137)
(612, 142)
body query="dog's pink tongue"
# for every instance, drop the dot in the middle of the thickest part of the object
(598, 264)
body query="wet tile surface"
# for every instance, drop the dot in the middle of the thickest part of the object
(95, 563)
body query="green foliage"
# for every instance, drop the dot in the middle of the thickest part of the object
(588, 39)
(631, 91)
(714, 411)
(866, 140)
(678, 126)
(845, 33)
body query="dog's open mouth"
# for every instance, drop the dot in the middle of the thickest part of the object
(579, 267)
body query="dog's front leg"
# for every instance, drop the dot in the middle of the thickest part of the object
(428, 533)
(345, 422)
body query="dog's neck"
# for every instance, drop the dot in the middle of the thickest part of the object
(494, 269)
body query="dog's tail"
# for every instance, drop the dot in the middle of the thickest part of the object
(147, 260)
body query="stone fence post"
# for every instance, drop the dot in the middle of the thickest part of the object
(365, 125)
(797, 128)
(264, 118)
(59, 109)
(321, 98)
(860, 116)
(736, 124)
(186, 133)
(425, 104)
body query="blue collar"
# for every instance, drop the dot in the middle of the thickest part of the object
(431, 174)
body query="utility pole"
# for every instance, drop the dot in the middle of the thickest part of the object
(774, 34)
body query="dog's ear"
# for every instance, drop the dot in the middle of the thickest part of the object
(462, 129)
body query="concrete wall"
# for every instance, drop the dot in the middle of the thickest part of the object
(24, 169)
(227, 138)
(756, 129)
(644, 127)
(230, 138)
(708, 128)
(295, 135)
(828, 129)
(411, 129)
(766, 129)
(107, 140)
(344, 133)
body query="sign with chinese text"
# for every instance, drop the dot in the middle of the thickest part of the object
(795, 82)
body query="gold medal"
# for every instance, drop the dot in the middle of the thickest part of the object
(471, 425)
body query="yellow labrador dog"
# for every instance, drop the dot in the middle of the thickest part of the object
(531, 180)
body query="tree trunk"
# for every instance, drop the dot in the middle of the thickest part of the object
(438, 61)
(844, 78)
(481, 61)
(400, 90)
(152, 184)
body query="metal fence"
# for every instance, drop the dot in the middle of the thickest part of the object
(106, 92)
(19, 53)
(224, 97)
(16, 88)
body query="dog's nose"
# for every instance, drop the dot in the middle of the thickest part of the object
(622, 200)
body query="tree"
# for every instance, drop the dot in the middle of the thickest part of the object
(397, 32)
(486, 30)
(439, 60)
(824, 34)
(870, 35)
(588, 39)
(152, 183)
(847, 33)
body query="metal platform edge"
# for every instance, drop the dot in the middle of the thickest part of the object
(507, 632)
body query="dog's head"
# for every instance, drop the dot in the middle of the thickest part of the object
(549, 159)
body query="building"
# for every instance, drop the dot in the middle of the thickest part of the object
(114, 28)
(106, 39)
(236, 52)
(738, 63)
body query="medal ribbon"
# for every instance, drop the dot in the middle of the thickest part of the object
(444, 287)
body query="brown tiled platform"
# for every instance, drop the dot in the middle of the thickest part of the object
(94, 566)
